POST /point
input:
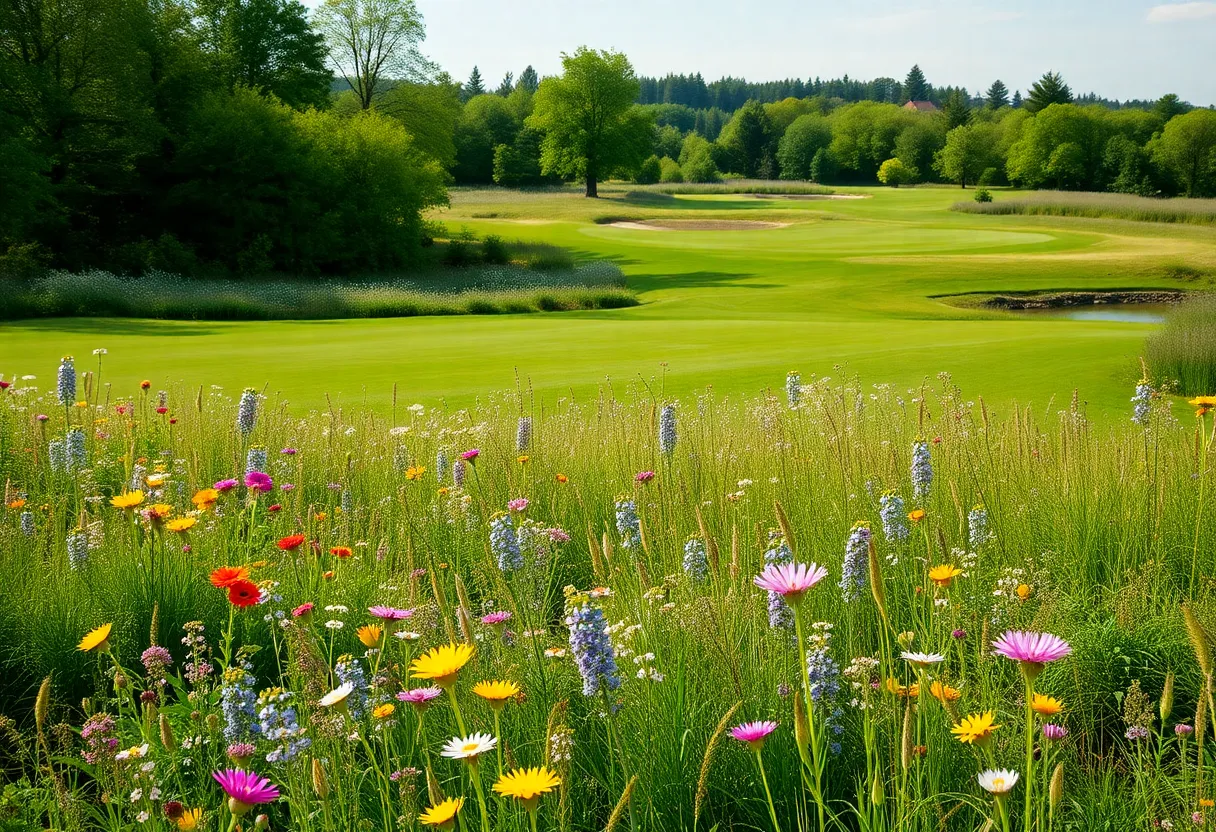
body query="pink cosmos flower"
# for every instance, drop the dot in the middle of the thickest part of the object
(494, 619)
(245, 789)
(643, 476)
(1031, 648)
(389, 613)
(420, 698)
(470, 455)
(518, 504)
(790, 580)
(258, 481)
(303, 610)
(225, 485)
(753, 733)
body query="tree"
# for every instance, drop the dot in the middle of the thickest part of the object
(919, 142)
(1016, 102)
(750, 140)
(967, 153)
(486, 122)
(669, 171)
(895, 173)
(590, 123)
(649, 171)
(506, 86)
(823, 166)
(371, 41)
(1168, 106)
(668, 141)
(956, 110)
(1029, 161)
(474, 86)
(267, 45)
(429, 112)
(1048, 90)
(997, 95)
(528, 79)
(1187, 148)
(916, 88)
(864, 134)
(797, 148)
(697, 160)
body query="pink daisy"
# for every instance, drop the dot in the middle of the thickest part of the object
(389, 613)
(225, 485)
(1031, 648)
(643, 476)
(420, 698)
(518, 505)
(303, 610)
(790, 580)
(245, 789)
(470, 455)
(494, 619)
(753, 733)
(258, 481)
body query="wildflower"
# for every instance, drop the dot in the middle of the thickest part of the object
(341, 552)
(944, 693)
(1032, 650)
(255, 459)
(244, 594)
(224, 485)
(291, 542)
(1044, 705)
(496, 693)
(241, 752)
(420, 698)
(519, 504)
(780, 616)
(383, 711)
(696, 562)
(527, 785)
(78, 548)
(916, 515)
(1183, 730)
(205, 498)
(496, 619)
(523, 434)
(471, 455)
(181, 524)
(100, 737)
(856, 569)
(643, 476)
(562, 478)
(338, 696)
(350, 674)
(247, 411)
(998, 782)
(753, 733)
(226, 576)
(389, 613)
(127, 500)
(793, 388)
(96, 640)
(891, 511)
(922, 660)
(278, 723)
(26, 521)
(1137, 732)
(1023, 591)
(238, 704)
(443, 814)
(976, 728)
(458, 473)
(922, 469)
(592, 649)
(958, 634)
(977, 527)
(245, 790)
(792, 580)
(504, 543)
(257, 481)
(469, 748)
(414, 473)
(1054, 732)
(944, 574)
(667, 430)
(66, 381)
(442, 664)
(370, 635)
(303, 611)
(628, 526)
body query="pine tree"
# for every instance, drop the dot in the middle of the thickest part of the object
(1048, 90)
(1017, 99)
(473, 87)
(507, 85)
(956, 110)
(528, 79)
(916, 88)
(997, 95)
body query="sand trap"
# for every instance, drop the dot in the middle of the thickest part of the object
(807, 196)
(696, 225)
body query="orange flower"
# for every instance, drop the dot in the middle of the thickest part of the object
(944, 692)
(205, 498)
(562, 478)
(292, 541)
(15, 504)
(145, 384)
(341, 552)
(226, 576)
(328, 574)
(1023, 591)
(916, 515)
(242, 594)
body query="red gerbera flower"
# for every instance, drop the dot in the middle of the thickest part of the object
(243, 594)
(226, 576)
(292, 541)
(341, 551)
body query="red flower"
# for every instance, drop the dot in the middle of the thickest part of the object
(341, 551)
(243, 594)
(173, 421)
(162, 410)
(290, 542)
(226, 576)
(275, 507)
(145, 384)
(4, 385)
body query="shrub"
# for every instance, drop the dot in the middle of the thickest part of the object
(983, 195)
(494, 251)
(671, 171)
(649, 171)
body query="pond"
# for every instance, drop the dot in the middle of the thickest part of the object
(1134, 313)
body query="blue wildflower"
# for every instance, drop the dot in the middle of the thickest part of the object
(628, 526)
(255, 459)
(57, 456)
(592, 649)
(856, 570)
(238, 704)
(349, 670)
(504, 544)
(247, 411)
(66, 381)
(894, 516)
(280, 725)
(696, 561)
(667, 430)
(441, 464)
(1142, 402)
(922, 469)
(780, 615)
(75, 450)
(27, 523)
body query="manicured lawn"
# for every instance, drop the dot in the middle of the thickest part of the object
(847, 287)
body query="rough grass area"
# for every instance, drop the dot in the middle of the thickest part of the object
(737, 186)
(1184, 350)
(469, 291)
(1100, 206)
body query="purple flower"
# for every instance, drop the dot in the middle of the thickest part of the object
(470, 455)
(496, 619)
(241, 752)
(156, 659)
(959, 634)
(643, 476)
(289, 451)
(420, 698)
(225, 485)
(389, 613)
(592, 649)
(753, 733)
(1054, 732)
(287, 487)
(245, 789)
(558, 535)
(258, 481)
(1035, 649)
(1183, 730)
(1136, 732)
(518, 504)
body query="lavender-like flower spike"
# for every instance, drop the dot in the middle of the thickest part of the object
(57, 456)
(77, 454)
(66, 381)
(922, 469)
(238, 704)
(977, 527)
(247, 411)
(27, 523)
(523, 434)
(504, 543)
(628, 526)
(255, 459)
(894, 516)
(696, 561)
(856, 570)
(78, 549)
(1142, 402)
(667, 430)
(441, 464)
(793, 388)
(592, 649)
(459, 469)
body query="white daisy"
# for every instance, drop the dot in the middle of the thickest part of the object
(470, 747)
(338, 695)
(923, 660)
(998, 781)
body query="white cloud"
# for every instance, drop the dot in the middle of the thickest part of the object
(1173, 12)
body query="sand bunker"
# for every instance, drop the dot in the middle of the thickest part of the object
(696, 225)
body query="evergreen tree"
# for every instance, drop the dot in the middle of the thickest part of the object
(916, 88)
(997, 95)
(474, 86)
(528, 79)
(1168, 106)
(956, 110)
(1048, 90)
(1017, 99)
(507, 85)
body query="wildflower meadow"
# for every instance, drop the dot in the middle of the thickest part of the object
(832, 606)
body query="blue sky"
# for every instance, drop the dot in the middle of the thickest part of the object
(1117, 48)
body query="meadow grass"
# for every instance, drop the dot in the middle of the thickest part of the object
(1185, 348)
(657, 511)
(1099, 205)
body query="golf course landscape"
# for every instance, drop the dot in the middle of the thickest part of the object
(874, 285)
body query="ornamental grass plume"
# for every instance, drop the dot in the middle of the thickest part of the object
(707, 760)
(1200, 643)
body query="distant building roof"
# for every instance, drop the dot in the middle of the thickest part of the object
(922, 106)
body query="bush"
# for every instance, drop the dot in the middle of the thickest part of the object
(671, 172)
(649, 171)
(894, 172)
(983, 195)
(494, 251)
(990, 176)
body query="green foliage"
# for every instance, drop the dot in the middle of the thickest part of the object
(697, 160)
(669, 171)
(956, 110)
(649, 171)
(823, 166)
(591, 126)
(1187, 148)
(919, 142)
(983, 195)
(429, 112)
(750, 142)
(805, 137)
(969, 150)
(485, 123)
(997, 96)
(1033, 159)
(893, 172)
(1048, 90)
(668, 141)
(863, 137)
(529, 81)
(916, 88)
(474, 86)
(1184, 350)
(372, 41)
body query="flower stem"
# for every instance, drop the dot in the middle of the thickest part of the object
(772, 812)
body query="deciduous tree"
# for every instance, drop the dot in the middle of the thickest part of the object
(371, 41)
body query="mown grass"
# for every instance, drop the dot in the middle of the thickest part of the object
(477, 290)
(1099, 205)
(1184, 350)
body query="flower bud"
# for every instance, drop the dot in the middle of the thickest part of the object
(1167, 699)
(261, 822)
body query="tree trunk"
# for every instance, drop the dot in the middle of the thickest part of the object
(592, 191)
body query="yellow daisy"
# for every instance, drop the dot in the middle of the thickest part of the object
(527, 785)
(181, 524)
(976, 728)
(190, 820)
(1045, 705)
(441, 664)
(944, 692)
(444, 814)
(384, 711)
(496, 693)
(127, 500)
(944, 574)
(97, 640)
(369, 635)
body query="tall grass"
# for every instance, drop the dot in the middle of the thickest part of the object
(1184, 349)
(1099, 205)
(737, 186)
(1058, 525)
(477, 290)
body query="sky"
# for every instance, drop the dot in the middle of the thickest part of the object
(1116, 48)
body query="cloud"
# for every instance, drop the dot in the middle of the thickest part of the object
(1174, 12)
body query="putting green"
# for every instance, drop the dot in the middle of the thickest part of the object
(841, 287)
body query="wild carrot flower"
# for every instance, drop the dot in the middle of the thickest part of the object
(855, 572)
(792, 580)
(922, 469)
(247, 411)
(442, 814)
(245, 790)
(442, 664)
(998, 781)
(754, 733)
(894, 517)
(592, 649)
(667, 430)
(696, 561)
